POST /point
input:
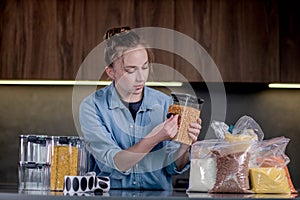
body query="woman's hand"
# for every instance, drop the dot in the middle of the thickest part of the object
(182, 155)
(194, 130)
(166, 130)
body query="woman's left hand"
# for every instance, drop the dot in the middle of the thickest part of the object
(194, 130)
(183, 153)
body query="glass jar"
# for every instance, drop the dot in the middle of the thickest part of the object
(188, 108)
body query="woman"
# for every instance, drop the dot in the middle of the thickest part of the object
(125, 125)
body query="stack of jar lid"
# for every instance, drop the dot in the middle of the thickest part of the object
(46, 160)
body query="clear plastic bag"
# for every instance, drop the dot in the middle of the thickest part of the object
(245, 123)
(220, 128)
(244, 129)
(203, 166)
(270, 153)
(232, 167)
(269, 180)
(268, 167)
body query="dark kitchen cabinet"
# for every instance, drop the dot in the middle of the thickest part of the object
(249, 40)
(51, 39)
(289, 41)
(242, 37)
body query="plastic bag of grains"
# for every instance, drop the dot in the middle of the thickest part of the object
(232, 163)
(203, 166)
(268, 171)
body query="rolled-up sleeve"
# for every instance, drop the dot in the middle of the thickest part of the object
(98, 140)
(171, 166)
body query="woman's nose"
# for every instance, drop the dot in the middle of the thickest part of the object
(141, 75)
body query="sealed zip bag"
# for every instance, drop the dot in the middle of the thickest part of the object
(232, 164)
(245, 129)
(203, 166)
(269, 172)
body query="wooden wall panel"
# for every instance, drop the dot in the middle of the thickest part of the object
(160, 14)
(27, 38)
(241, 36)
(190, 19)
(50, 39)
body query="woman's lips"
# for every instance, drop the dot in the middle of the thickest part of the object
(139, 86)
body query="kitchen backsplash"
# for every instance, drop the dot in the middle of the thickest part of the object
(48, 110)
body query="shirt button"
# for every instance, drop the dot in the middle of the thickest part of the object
(131, 126)
(134, 182)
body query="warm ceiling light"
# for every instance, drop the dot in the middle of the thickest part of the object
(284, 85)
(79, 82)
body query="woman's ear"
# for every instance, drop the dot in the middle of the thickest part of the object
(110, 72)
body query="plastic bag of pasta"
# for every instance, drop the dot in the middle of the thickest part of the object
(268, 171)
(245, 129)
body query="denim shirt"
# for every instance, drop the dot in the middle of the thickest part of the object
(108, 128)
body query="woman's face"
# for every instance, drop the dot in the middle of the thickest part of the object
(130, 73)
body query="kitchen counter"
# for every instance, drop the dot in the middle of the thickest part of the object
(178, 194)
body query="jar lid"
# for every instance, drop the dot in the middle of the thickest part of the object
(38, 139)
(33, 165)
(67, 139)
(184, 97)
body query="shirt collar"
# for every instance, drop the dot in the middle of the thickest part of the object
(114, 100)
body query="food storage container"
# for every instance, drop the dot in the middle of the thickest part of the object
(68, 158)
(34, 176)
(34, 148)
(188, 108)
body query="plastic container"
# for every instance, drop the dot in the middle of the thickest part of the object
(188, 100)
(68, 158)
(188, 107)
(34, 176)
(34, 148)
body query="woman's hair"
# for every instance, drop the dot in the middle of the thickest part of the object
(119, 40)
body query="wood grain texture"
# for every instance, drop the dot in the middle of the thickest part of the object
(241, 36)
(157, 13)
(50, 39)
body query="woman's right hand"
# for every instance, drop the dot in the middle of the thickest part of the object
(166, 130)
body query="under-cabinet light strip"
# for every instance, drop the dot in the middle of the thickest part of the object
(284, 85)
(82, 82)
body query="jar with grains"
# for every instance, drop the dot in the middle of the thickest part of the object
(188, 107)
(68, 158)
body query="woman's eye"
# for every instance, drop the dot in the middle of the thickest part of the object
(145, 66)
(130, 69)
